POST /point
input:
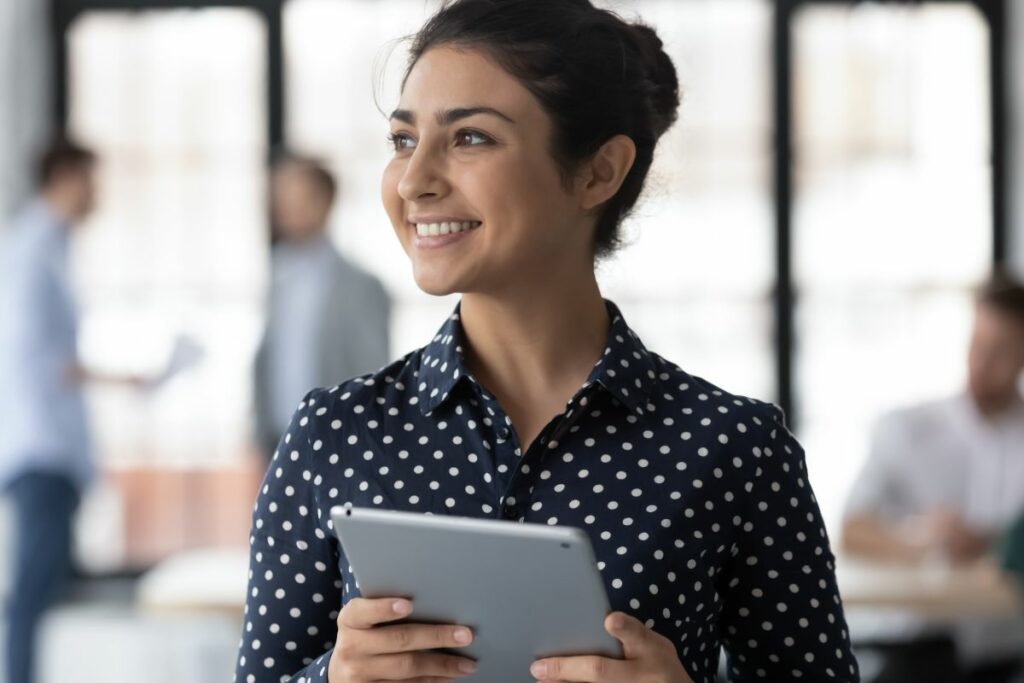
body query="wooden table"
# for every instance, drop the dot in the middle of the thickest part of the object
(934, 591)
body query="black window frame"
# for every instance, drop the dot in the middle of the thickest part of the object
(64, 12)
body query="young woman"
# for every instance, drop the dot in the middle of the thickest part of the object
(524, 132)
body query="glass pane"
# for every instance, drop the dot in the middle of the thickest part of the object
(174, 104)
(893, 216)
(681, 280)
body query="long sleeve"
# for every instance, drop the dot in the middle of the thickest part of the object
(294, 591)
(783, 619)
(45, 422)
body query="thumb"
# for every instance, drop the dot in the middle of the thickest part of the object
(631, 632)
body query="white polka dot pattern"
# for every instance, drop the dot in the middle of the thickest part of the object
(696, 501)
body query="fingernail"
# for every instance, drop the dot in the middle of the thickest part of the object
(401, 607)
(462, 635)
(466, 666)
(539, 669)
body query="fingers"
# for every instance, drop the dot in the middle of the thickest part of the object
(370, 648)
(637, 641)
(634, 635)
(400, 638)
(579, 669)
(645, 653)
(363, 613)
(401, 667)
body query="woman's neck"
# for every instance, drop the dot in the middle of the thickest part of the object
(538, 339)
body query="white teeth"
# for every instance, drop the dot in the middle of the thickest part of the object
(445, 228)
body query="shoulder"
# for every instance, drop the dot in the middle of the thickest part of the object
(352, 273)
(361, 400)
(701, 397)
(920, 419)
(29, 231)
(356, 288)
(727, 436)
(30, 252)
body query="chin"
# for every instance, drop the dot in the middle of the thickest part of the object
(435, 284)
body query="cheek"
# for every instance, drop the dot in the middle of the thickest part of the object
(1009, 367)
(522, 199)
(391, 200)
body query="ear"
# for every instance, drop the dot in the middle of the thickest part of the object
(602, 176)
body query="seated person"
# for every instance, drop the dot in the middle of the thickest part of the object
(942, 481)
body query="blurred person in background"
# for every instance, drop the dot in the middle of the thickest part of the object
(943, 481)
(45, 459)
(328, 319)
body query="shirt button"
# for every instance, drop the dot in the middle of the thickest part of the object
(510, 511)
(505, 433)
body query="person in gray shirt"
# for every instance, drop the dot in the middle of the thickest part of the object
(328, 320)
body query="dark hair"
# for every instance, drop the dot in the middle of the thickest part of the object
(1003, 293)
(595, 75)
(62, 154)
(313, 169)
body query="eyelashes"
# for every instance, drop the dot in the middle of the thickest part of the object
(396, 140)
(467, 132)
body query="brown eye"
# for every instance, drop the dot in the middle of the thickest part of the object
(398, 141)
(470, 135)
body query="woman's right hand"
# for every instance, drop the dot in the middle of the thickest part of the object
(369, 650)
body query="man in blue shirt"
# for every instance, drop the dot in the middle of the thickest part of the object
(45, 460)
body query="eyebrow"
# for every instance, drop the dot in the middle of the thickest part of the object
(446, 117)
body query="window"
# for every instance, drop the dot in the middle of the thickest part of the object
(174, 103)
(892, 219)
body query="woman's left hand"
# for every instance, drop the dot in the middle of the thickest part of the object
(648, 658)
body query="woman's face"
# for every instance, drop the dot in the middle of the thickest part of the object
(488, 172)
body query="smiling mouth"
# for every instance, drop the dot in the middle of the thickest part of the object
(446, 228)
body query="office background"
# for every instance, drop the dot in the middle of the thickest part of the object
(842, 174)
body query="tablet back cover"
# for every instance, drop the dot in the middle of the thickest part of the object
(527, 590)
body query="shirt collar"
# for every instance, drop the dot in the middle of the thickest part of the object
(625, 369)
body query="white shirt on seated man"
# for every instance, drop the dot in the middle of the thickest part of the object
(946, 477)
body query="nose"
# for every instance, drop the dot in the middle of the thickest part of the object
(423, 176)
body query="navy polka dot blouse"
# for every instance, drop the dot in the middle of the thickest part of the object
(696, 501)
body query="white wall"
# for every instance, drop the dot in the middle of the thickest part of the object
(25, 100)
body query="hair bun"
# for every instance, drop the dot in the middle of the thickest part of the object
(662, 74)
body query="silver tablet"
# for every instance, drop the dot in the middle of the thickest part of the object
(527, 590)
